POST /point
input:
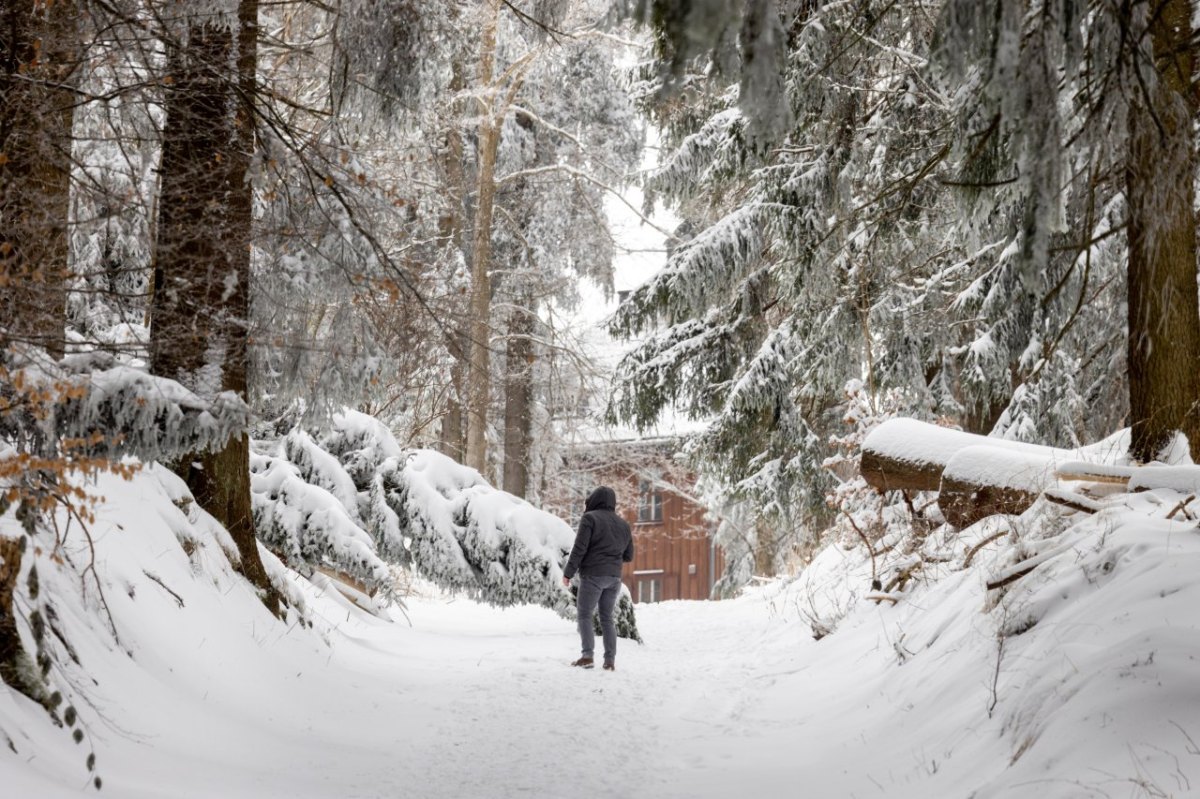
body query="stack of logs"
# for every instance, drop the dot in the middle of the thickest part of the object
(976, 476)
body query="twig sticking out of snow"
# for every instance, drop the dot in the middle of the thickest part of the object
(1019, 570)
(1069, 499)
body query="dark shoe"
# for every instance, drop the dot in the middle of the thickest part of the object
(610, 666)
(584, 663)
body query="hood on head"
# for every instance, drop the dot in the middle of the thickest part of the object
(603, 498)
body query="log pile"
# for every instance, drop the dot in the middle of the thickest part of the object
(977, 476)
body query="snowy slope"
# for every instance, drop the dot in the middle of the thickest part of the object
(1096, 693)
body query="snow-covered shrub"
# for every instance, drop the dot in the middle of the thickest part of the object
(465, 535)
(309, 527)
(87, 405)
(320, 468)
(361, 443)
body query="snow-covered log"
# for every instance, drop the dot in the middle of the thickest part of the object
(983, 481)
(904, 454)
(1184, 478)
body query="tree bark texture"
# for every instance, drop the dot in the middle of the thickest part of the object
(964, 502)
(451, 227)
(479, 362)
(766, 549)
(453, 433)
(200, 316)
(13, 660)
(1164, 320)
(518, 401)
(39, 54)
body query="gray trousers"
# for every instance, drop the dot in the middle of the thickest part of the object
(602, 591)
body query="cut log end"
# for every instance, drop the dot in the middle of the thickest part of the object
(963, 502)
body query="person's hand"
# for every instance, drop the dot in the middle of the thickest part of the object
(566, 582)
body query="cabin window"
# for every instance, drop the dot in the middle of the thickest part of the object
(650, 503)
(649, 589)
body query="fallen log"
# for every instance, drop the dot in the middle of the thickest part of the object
(1182, 478)
(982, 481)
(907, 455)
(1094, 472)
(977, 476)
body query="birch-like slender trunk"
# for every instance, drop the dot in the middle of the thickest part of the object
(451, 227)
(480, 329)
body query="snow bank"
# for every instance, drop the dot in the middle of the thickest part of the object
(1072, 679)
(135, 617)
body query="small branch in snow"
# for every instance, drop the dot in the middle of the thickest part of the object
(870, 550)
(1192, 748)
(73, 512)
(1069, 499)
(1000, 638)
(975, 549)
(157, 579)
(1019, 570)
(1182, 506)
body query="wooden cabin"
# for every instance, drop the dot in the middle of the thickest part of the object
(675, 556)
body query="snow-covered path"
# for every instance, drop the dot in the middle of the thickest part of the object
(472, 701)
(469, 701)
(485, 704)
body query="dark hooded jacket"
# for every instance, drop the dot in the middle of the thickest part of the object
(604, 540)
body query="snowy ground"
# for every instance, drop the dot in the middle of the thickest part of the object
(1096, 692)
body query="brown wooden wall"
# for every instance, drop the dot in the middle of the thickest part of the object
(681, 540)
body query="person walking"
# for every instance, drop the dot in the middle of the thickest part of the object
(603, 543)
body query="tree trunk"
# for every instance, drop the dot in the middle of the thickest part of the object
(201, 309)
(1164, 320)
(765, 549)
(451, 227)
(518, 401)
(453, 443)
(479, 366)
(38, 48)
(16, 669)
